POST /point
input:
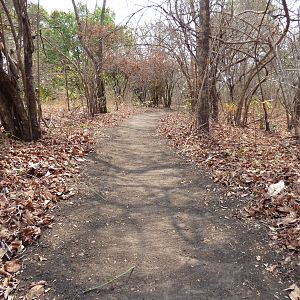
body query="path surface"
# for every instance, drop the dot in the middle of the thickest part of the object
(157, 213)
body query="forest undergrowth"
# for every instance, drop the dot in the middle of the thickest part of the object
(250, 164)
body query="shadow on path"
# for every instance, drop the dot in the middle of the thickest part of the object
(159, 214)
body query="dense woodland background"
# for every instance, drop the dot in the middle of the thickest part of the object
(228, 68)
(234, 59)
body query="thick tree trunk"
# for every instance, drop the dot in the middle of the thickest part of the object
(31, 99)
(19, 119)
(12, 110)
(202, 41)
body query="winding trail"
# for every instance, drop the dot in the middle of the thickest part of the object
(145, 206)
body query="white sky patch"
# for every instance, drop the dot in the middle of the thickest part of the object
(121, 8)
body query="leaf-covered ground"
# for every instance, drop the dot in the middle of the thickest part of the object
(34, 177)
(142, 205)
(251, 164)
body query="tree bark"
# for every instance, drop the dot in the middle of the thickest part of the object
(101, 97)
(19, 119)
(31, 99)
(202, 40)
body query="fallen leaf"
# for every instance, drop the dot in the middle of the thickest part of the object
(276, 188)
(35, 292)
(12, 266)
(2, 252)
(4, 273)
(295, 292)
(288, 221)
(17, 246)
(34, 283)
(7, 293)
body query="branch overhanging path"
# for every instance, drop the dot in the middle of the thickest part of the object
(159, 214)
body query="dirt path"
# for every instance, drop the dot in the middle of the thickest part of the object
(150, 209)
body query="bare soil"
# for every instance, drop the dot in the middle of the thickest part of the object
(143, 205)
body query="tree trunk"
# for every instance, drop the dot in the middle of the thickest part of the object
(18, 119)
(31, 99)
(214, 96)
(66, 85)
(202, 40)
(12, 110)
(101, 97)
(296, 118)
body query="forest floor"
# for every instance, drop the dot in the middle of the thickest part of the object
(143, 207)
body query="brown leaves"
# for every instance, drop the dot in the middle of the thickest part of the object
(295, 292)
(12, 266)
(36, 291)
(248, 162)
(34, 177)
(30, 234)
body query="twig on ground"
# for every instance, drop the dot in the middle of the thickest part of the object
(110, 281)
(90, 188)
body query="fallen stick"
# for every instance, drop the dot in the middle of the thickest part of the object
(110, 281)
